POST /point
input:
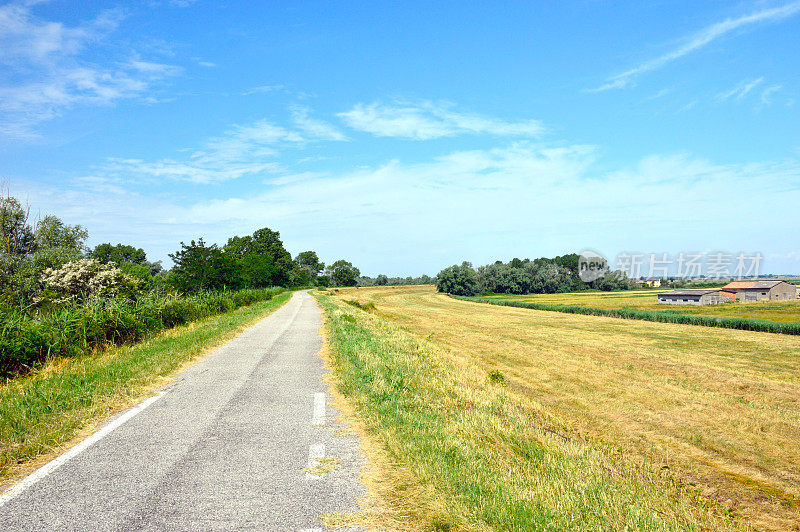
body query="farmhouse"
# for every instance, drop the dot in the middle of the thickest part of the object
(760, 290)
(692, 297)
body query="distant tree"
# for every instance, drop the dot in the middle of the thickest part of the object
(119, 254)
(309, 261)
(343, 273)
(381, 280)
(458, 280)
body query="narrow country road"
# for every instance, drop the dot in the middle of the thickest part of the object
(231, 444)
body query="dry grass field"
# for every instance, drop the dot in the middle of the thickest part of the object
(780, 311)
(716, 409)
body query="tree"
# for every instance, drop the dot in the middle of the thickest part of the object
(458, 280)
(119, 254)
(343, 273)
(309, 261)
(381, 280)
(51, 232)
(201, 267)
(260, 259)
(16, 236)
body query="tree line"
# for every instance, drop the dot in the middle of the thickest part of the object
(524, 276)
(46, 260)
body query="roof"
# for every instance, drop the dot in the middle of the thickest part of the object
(739, 285)
(767, 284)
(688, 292)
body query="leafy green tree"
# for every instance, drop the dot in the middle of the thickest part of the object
(343, 273)
(16, 235)
(202, 267)
(458, 280)
(119, 253)
(51, 233)
(309, 261)
(261, 259)
(381, 280)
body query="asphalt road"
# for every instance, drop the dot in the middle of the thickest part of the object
(226, 446)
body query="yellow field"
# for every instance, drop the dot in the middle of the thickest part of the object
(719, 409)
(781, 311)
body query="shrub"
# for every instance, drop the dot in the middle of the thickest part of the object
(88, 278)
(28, 340)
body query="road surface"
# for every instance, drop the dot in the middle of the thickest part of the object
(234, 443)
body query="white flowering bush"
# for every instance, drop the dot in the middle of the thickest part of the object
(86, 279)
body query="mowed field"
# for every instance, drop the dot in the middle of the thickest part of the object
(716, 410)
(780, 311)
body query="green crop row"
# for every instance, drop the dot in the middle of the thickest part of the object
(746, 324)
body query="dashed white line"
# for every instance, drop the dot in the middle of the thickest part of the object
(319, 409)
(51, 466)
(316, 452)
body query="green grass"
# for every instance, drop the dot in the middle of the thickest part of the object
(680, 315)
(477, 455)
(42, 411)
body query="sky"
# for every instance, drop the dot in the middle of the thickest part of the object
(409, 136)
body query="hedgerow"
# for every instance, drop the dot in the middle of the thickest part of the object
(27, 339)
(746, 324)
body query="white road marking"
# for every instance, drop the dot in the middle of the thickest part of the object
(51, 466)
(315, 453)
(319, 409)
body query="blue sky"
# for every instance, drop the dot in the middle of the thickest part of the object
(408, 136)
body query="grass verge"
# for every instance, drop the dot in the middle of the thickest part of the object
(43, 413)
(745, 324)
(473, 454)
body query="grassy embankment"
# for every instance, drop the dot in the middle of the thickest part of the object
(781, 317)
(460, 445)
(46, 411)
(716, 410)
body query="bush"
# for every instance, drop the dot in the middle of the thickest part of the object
(28, 340)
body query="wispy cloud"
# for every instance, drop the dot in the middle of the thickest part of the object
(313, 127)
(428, 120)
(697, 41)
(766, 94)
(263, 89)
(741, 90)
(242, 150)
(45, 60)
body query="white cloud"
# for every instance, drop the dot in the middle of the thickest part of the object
(262, 89)
(766, 94)
(46, 60)
(521, 199)
(243, 150)
(313, 127)
(427, 120)
(697, 41)
(741, 90)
